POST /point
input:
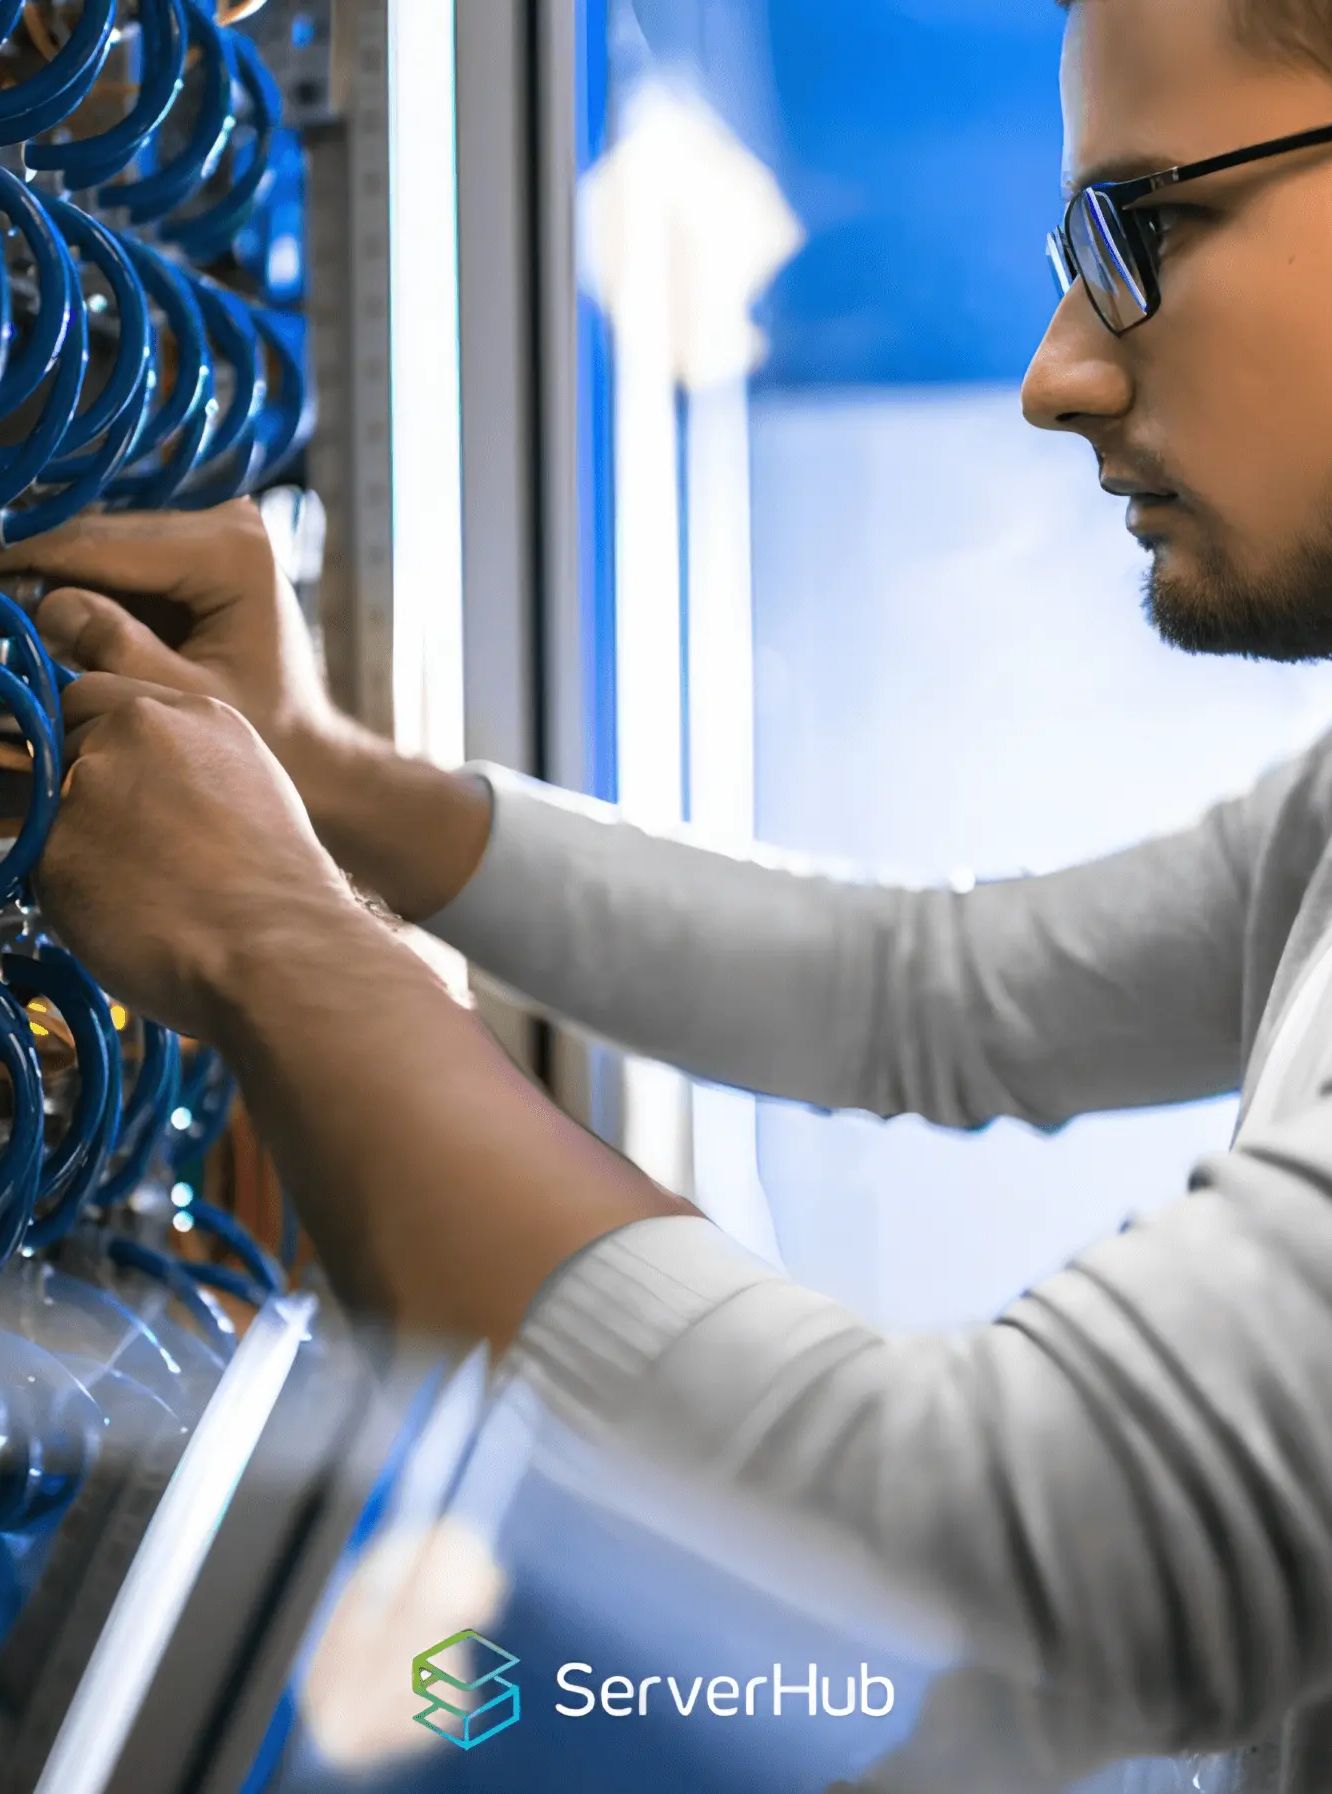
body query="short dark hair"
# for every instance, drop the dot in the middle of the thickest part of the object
(1293, 30)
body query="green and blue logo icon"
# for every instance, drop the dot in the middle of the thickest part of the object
(440, 1676)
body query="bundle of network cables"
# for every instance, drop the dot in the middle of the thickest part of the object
(152, 354)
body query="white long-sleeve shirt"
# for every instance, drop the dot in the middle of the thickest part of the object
(1119, 1493)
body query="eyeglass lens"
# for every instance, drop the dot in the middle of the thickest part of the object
(1107, 261)
(1062, 270)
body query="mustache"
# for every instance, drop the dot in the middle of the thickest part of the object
(1148, 471)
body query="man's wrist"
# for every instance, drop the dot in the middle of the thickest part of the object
(404, 828)
(323, 756)
(303, 945)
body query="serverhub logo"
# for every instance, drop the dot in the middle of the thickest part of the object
(726, 1697)
(440, 1677)
(469, 1699)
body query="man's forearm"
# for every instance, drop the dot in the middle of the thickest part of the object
(404, 829)
(440, 1186)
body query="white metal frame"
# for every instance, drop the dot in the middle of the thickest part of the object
(455, 624)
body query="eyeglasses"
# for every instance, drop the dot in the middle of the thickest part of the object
(1117, 252)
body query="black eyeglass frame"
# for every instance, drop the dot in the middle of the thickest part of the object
(1137, 227)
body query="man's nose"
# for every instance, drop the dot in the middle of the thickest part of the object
(1079, 378)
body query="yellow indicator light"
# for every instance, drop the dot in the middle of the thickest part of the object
(120, 1016)
(41, 1032)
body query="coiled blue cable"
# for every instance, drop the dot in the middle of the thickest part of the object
(205, 235)
(24, 462)
(164, 187)
(74, 1167)
(49, 96)
(34, 353)
(143, 437)
(188, 412)
(29, 659)
(192, 387)
(134, 1256)
(21, 1157)
(229, 1282)
(219, 1225)
(132, 361)
(145, 1128)
(235, 341)
(17, 865)
(89, 161)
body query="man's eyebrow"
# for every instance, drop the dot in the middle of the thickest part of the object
(1120, 168)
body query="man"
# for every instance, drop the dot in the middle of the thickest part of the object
(1120, 1496)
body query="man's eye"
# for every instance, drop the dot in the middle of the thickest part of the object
(1163, 221)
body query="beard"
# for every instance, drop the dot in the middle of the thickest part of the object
(1285, 615)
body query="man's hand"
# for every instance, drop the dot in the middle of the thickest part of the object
(222, 597)
(226, 625)
(179, 846)
(441, 1188)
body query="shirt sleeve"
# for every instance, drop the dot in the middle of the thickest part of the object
(1119, 1494)
(1111, 985)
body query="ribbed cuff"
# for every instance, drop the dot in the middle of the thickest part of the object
(599, 1328)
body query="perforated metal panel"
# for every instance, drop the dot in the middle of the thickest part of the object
(297, 41)
(350, 457)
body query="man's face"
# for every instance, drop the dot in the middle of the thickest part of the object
(1224, 398)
